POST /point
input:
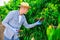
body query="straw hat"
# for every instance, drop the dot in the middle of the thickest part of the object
(25, 4)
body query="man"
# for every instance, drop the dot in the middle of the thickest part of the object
(14, 20)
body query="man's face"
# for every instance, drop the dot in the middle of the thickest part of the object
(24, 10)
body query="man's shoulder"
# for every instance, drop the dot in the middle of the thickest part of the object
(14, 11)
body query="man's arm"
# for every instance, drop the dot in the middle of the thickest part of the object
(29, 25)
(5, 22)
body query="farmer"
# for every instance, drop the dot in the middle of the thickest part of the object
(14, 20)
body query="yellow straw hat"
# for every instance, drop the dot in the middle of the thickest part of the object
(25, 4)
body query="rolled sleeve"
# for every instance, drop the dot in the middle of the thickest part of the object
(28, 25)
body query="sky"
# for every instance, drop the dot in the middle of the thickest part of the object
(2, 2)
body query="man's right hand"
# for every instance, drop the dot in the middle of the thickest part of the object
(15, 30)
(38, 22)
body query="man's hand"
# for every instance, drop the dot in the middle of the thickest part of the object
(15, 30)
(38, 22)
